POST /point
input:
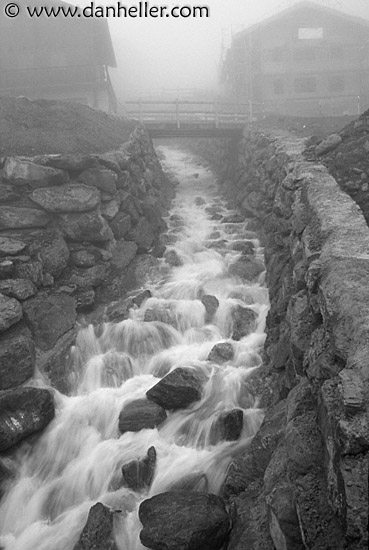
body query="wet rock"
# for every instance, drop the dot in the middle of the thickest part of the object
(233, 218)
(191, 482)
(199, 201)
(17, 358)
(67, 198)
(246, 268)
(21, 289)
(216, 217)
(211, 304)
(90, 277)
(244, 322)
(7, 269)
(23, 411)
(10, 312)
(117, 311)
(172, 258)
(246, 247)
(352, 391)
(139, 474)
(87, 226)
(140, 298)
(120, 225)
(219, 243)
(229, 425)
(141, 414)
(102, 178)
(85, 299)
(185, 520)
(11, 247)
(328, 144)
(13, 217)
(123, 254)
(97, 533)
(142, 234)
(23, 172)
(221, 353)
(49, 317)
(161, 314)
(177, 390)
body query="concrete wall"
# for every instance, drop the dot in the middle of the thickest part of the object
(303, 483)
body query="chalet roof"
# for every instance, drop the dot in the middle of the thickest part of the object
(298, 7)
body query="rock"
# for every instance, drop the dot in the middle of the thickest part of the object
(12, 217)
(353, 392)
(11, 247)
(52, 250)
(246, 268)
(192, 482)
(8, 194)
(23, 411)
(184, 520)
(199, 201)
(23, 172)
(141, 414)
(7, 269)
(67, 198)
(102, 178)
(85, 299)
(120, 225)
(233, 218)
(172, 258)
(97, 533)
(328, 144)
(17, 358)
(31, 270)
(140, 298)
(141, 234)
(70, 162)
(244, 322)
(49, 317)
(110, 209)
(123, 254)
(90, 277)
(177, 390)
(10, 312)
(246, 247)
(229, 425)
(211, 304)
(83, 258)
(21, 289)
(221, 353)
(87, 226)
(138, 474)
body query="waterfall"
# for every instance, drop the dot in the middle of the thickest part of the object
(77, 460)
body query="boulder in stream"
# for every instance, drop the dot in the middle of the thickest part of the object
(221, 353)
(23, 411)
(177, 390)
(246, 268)
(97, 533)
(230, 424)
(138, 474)
(244, 322)
(184, 520)
(211, 304)
(139, 415)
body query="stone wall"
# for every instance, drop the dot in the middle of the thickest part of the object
(75, 231)
(303, 482)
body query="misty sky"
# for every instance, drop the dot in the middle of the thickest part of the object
(185, 53)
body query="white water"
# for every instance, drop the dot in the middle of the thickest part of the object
(77, 461)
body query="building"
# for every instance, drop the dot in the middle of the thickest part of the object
(306, 60)
(57, 58)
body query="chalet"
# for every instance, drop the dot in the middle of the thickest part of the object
(306, 60)
(57, 58)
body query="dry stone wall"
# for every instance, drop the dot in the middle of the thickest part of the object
(75, 231)
(303, 482)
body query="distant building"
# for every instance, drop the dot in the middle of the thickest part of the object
(306, 60)
(57, 58)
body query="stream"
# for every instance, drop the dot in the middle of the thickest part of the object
(77, 461)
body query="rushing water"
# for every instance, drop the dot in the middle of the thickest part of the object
(77, 461)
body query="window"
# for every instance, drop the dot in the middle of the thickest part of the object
(336, 83)
(305, 84)
(312, 33)
(304, 54)
(278, 86)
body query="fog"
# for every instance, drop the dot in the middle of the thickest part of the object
(179, 54)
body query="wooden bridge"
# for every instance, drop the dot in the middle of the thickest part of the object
(186, 118)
